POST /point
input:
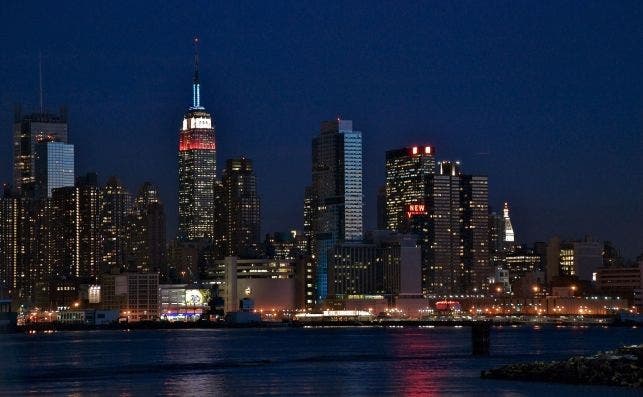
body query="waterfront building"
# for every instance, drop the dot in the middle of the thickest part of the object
(382, 264)
(242, 209)
(27, 131)
(197, 167)
(336, 193)
(621, 281)
(270, 283)
(135, 295)
(183, 302)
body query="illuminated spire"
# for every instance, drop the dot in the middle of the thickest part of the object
(509, 230)
(196, 85)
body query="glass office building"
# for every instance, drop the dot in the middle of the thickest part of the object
(54, 167)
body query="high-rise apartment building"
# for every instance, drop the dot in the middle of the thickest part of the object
(146, 231)
(27, 131)
(116, 206)
(197, 167)
(336, 192)
(76, 234)
(242, 207)
(443, 267)
(474, 198)
(12, 251)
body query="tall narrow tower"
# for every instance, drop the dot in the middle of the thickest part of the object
(197, 166)
(509, 230)
(336, 192)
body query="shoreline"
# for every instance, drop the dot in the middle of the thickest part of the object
(621, 367)
(162, 325)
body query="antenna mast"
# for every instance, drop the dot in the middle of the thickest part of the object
(40, 80)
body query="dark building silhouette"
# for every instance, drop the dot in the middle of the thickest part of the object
(243, 208)
(146, 243)
(116, 206)
(28, 129)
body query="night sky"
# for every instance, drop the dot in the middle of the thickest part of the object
(544, 97)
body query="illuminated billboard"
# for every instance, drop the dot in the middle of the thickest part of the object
(415, 209)
(197, 297)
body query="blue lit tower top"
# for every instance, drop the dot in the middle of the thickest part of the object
(196, 85)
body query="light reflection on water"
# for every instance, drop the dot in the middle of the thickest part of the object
(339, 361)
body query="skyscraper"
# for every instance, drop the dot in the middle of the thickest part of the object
(116, 207)
(336, 192)
(242, 207)
(458, 231)
(12, 252)
(27, 131)
(443, 268)
(406, 171)
(146, 231)
(475, 230)
(197, 167)
(54, 166)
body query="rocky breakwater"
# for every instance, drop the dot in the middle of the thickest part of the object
(621, 367)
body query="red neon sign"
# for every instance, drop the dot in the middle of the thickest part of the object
(415, 209)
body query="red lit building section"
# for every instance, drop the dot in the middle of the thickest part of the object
(197, 140)
(416, 150)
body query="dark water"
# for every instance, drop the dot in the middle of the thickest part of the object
(329, 362)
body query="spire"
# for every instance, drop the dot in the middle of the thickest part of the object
(509, 230)
(196, 86)
(42, 109)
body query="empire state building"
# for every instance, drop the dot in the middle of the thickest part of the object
(197, 166)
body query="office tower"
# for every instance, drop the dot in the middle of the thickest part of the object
(336, 192)
(12, 253)
(54, 166)
(27, 131)
(475, 233)
(443, 269)
(242, 205)
(146, 234)
(457, 232)
(116, 207)
(406, 172)
(197, 167)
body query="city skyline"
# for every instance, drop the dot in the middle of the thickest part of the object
(508, 183)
